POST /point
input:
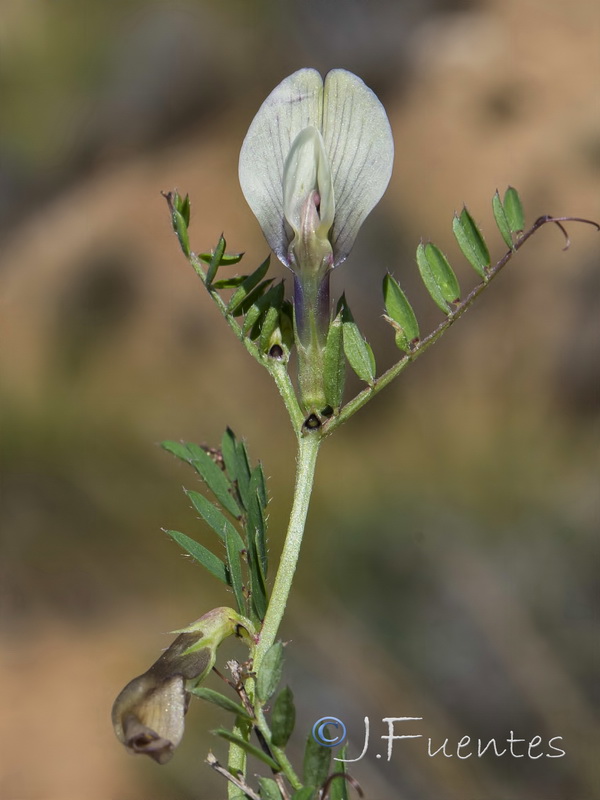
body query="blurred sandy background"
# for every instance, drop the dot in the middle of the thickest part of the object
(452, 558)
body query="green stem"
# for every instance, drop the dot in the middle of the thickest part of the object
(308, 447)
(277, 752)
(236, 761)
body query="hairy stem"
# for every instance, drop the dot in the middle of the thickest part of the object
(236, 761)
(277, 752)
(308, 447)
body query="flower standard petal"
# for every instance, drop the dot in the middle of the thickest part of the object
(360, 147)
(296, 103)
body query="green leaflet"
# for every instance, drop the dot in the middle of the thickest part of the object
(283, 717)
(229, 283)
(256, 519)
(227, 260)
(514, 210)
(317, 760)
(229, 453)
(233, 548)
(256, 313)
(246, 288)
(286, 324)
(270, 671)
(502, 220)
(181, 230)
(358, 351)
(213, 517)
(183, 205)
(268, 327)
(248, 748)
(306, 793)
(334, 365)
(438, 277)
(261, 485)
(338, 787)
(215, 261)
(221, 700)
(253, 297)
(243, 473)
(180, 219)
(471, 242)
(258, 589)
(269, 789)
(209, 560)
(400, 311)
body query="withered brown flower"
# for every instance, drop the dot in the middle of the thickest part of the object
(148, 714)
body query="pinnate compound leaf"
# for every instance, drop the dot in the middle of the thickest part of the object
(401, 312)
(208, 560)
(247, 286)
(317, 760)
(502, 220)
(471, 242)
(283, 717)
(211, 473)
(269, 789)
(358, 351)
(334, 364)
(269, 673)
(221, 700)
(513, 209)
(438, 277)
(248, 748)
